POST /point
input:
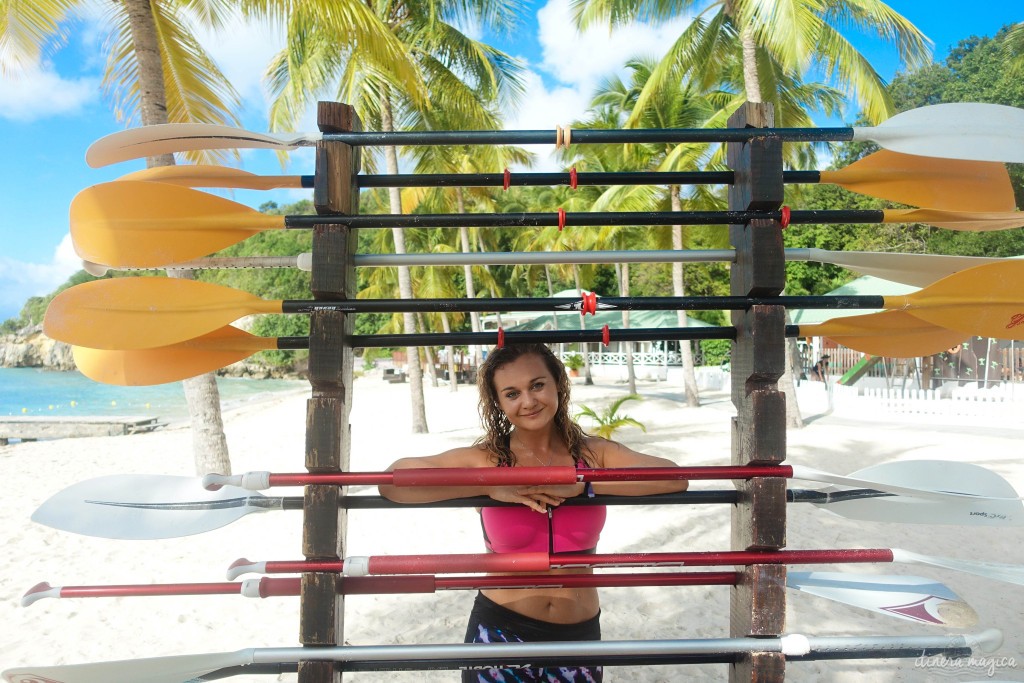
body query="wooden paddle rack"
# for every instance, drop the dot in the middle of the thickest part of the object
(758, 603)
(322, 607)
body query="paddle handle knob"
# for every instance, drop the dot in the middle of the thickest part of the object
(250, 481)
(39, 592)
(244, 566)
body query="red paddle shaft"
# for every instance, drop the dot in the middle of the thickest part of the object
(368, 585)
(525, 476)
(528, 562)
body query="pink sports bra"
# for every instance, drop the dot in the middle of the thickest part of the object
(564, 529)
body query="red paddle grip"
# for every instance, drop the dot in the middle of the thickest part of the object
(485, 476)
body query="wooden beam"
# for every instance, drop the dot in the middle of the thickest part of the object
(758, 602)
(322, 608)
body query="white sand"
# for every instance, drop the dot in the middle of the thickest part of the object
(270, 435)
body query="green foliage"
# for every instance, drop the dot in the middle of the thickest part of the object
(608, 421)
(573, 361)
(715, 351)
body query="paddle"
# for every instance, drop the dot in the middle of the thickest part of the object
(147, 507)
(134, 313)
(986, 132)
(539, 476)
(912, 598)
(519, 562)
(137, 223)
(919, 270)
(182, 668)
(918, 181)
(890, 333)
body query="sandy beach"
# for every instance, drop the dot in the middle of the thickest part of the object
(269, 435)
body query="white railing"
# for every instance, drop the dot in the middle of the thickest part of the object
(1002, 404)
(639, 358)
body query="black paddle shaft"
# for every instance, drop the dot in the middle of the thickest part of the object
(546, 219)
(633, 303)
(568, 179)
(584, 136)
(369, 341)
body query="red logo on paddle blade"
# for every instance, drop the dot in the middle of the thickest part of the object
(29, 678)
(1017, 319)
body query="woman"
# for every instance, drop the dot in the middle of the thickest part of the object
(524, 407)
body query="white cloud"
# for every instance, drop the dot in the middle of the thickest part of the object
(242, 50)
(20, 280)
(38, 92)
(583, 59)
(559, 88)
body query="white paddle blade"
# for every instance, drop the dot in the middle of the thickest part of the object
(996, 503)
(917, 270)
(147, 507)
(982, 132)
(176, 669)
(911, 598)
(167, 138)
(1010, 573)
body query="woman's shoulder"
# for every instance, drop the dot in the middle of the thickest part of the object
(600, 447)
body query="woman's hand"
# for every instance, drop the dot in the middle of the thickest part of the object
(537, 498)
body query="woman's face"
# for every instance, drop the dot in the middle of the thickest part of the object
(527, 393)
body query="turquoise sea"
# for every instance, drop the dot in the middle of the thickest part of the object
(42, 393)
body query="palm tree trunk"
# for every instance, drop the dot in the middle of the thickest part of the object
(679, 289)
(751, 82)
(209, 444)
(415, 372)
(623, 273)
(453, 371)
(752, 85)
(428, 352)
(474, 316)
(588, 377)
(551, 293)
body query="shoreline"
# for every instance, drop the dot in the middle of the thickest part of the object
(270, 435)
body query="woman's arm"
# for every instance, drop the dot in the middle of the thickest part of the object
(456, 458)
(612, 454)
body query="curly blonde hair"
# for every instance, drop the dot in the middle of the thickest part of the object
(498, 428)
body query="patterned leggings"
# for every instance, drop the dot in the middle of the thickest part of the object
(489, 622)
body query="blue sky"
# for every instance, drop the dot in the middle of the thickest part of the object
(50, 116)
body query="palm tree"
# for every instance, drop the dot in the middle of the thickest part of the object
(675, 107)
(463, 159)
(777, 42)
(158, 72)
(609, 421)
(462, 77)
(773, 37)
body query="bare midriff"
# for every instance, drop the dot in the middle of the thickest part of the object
(554, 605)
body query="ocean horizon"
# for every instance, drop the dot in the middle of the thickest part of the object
(34, 392)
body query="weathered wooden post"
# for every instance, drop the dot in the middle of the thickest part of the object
(758, 602)
(322, 610)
